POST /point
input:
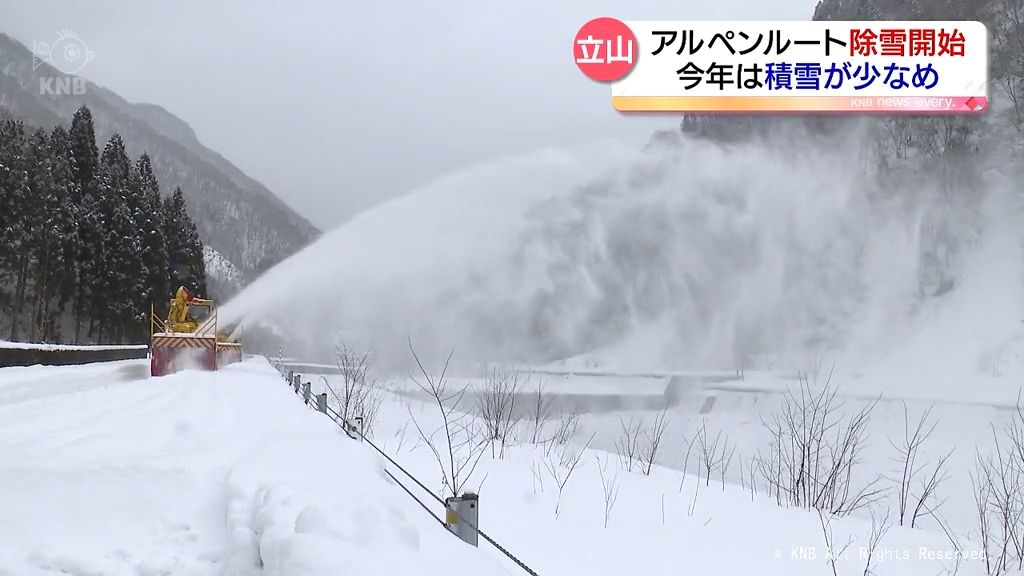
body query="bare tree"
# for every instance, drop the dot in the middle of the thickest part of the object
(814, 452)
(627, 445)
(710, 452)
(496, 405)
(540, 413)
(981, 483)
(538, 478)
(725, 462)
(686, 462)
(561, 469)
(752, 478)
(831, 554)
(462, 446)
(610, 485)
(358, 395)
(954, 541)
(927, 500)
(907, 453)
(998, 482)
(879, 528)
(400, 436)
(565, 430)
(652, 441)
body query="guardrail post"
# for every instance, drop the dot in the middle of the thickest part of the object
(462, 516)
(295, 382)
(321, 402)
(305, 392)
(290, 377)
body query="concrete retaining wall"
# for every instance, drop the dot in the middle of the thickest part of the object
(59, 357)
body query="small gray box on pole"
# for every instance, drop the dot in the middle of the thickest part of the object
(321, 402)
(305, 392)
(462, 516)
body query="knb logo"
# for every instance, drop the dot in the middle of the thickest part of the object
(69, 55)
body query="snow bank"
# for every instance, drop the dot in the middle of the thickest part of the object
(197, 473)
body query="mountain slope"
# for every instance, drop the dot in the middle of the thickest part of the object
(236, 215)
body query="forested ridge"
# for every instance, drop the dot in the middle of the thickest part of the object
(89, 243)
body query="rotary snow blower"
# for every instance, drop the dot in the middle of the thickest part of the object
(188, 338)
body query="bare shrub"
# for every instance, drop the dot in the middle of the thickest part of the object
(712, 453)
(815, 452)
(561, 468)
(540, 413)
(565, 430)
(752, 478)
(538, 478)
(686, 461)
(879, 528)
(928, 502)
(627, 444)
(610, 486)
(910, 467)
(637, 444)
(832, 554)
(652, 441)
(726, 461)
(457, 445)
(358, 395)
(496, 406)
(998, 482)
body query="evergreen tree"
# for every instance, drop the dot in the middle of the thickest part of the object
(63, 158)
(89, 229)
(40, 185)
(184, 249)
(154, 248)
(87, 264)
(83, 146)
(122, 274)
(15, 202)
(55, 235)
(89, 302)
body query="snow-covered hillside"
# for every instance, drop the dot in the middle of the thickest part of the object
(223, 278)
(219, 267)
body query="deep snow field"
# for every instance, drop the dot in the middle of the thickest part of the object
(667, 522)
(105, 471)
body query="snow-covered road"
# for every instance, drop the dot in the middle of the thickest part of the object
(103, 471)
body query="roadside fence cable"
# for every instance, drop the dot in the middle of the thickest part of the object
(345, 426)
(341, 422)
(413, 496)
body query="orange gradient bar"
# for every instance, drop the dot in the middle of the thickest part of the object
(853, 104)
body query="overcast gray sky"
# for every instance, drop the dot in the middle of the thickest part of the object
(336, 106)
